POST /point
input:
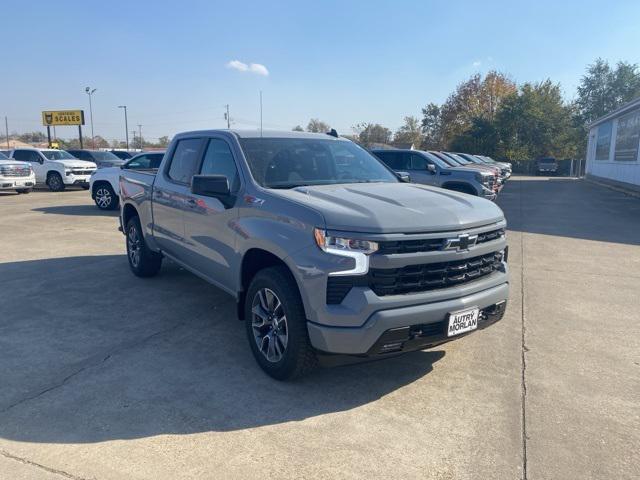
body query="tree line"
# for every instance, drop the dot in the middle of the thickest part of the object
(493, 115)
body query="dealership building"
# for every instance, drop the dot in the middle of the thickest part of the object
(612, 152)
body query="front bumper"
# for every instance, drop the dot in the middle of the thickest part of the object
(76, 179)
(409, 328)
(11, 183)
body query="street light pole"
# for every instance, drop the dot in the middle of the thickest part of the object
(126, 124)
(89, 91)
(140, 135)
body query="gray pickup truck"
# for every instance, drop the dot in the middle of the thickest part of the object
(326, 250)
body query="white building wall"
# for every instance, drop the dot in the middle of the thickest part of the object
(627, 172)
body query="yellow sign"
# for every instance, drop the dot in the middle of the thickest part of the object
(63, 117)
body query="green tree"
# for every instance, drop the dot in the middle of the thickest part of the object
(33, 137)
(163, 141)
(297, 128)
(603, 89)
(535, 122)
(480, 138)
(370, 133)
(432, 128)
(317, 126)
(409, 133)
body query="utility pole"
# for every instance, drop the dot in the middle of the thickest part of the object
(227, 117)
(6, 126)
(140, 135)
(126, 124)
(90, 92)
(133, 132)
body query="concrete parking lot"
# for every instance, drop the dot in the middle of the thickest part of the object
(104, 375)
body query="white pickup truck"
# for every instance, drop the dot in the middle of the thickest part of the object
(14, 175)
(55, 168)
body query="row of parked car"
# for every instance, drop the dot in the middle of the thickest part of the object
(99, 171)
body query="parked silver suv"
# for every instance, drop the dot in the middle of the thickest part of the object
(427, 169)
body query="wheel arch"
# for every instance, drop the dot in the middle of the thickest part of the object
(254, 260)
(128, 212)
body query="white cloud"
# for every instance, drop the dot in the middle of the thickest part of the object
(259, 69)
(256, 68)
(477, 63)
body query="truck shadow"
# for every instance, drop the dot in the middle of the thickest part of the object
(570, 208)
(77, 210)
(90, 353)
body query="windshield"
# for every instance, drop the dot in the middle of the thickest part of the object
(58, 155)
(459, 159)
(293, 162)
(437, 160)
(547, 160)
(105, 157)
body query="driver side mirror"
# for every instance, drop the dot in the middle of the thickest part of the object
(432, 169)
(404, 177)
(216, 186)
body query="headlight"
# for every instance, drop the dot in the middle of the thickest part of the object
(67, 171)
(484, 179)
(357, 249)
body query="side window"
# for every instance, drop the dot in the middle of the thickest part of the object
(22, 155)
(418, 162)
(396, 160)
(139, 163)
(185, 160)
(155, 159)
(218, 160)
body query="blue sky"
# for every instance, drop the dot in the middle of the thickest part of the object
(343, 62)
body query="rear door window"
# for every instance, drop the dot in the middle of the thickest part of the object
(184, 160)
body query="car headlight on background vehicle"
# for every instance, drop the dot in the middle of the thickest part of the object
(484, 179)
(354, 248)
(67, 172)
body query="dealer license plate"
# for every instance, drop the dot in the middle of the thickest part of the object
(463, 321)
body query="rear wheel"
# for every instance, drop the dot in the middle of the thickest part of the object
(142, 261)
(54, 182)
(276, 325)
(105, 197)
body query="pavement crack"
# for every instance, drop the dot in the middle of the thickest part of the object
(93, 361)
(30, 463)
(524, 348)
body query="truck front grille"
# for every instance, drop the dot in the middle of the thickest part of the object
(15, 171)
(415, 278)
(428, 245)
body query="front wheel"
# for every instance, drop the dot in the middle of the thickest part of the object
(142, 261)
(55, 183)
(105, 197)
(276, 325)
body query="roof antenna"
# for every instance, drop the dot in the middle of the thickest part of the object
(333, 133)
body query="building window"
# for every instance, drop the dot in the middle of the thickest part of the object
(627, 137)
(603, 142)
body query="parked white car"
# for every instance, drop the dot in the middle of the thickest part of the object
(15, 175)
(105, 182)
(56, 168)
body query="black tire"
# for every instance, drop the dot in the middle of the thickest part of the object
(298, 357)
(54, 182)
(85, 187)
(142, 261)
(105, 197)
(24, 190)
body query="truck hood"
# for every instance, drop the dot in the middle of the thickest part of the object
(6, 163)
(72, 163)
(394, 207)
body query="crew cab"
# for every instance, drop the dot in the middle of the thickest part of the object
(105, 182)
(427, 169)
(15, 175)
(55, 168)
(326, 250)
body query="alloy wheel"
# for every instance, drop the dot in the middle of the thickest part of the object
(103, 198)
(269, 325)
(134, 244)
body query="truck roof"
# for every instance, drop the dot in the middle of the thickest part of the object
(263, 134)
